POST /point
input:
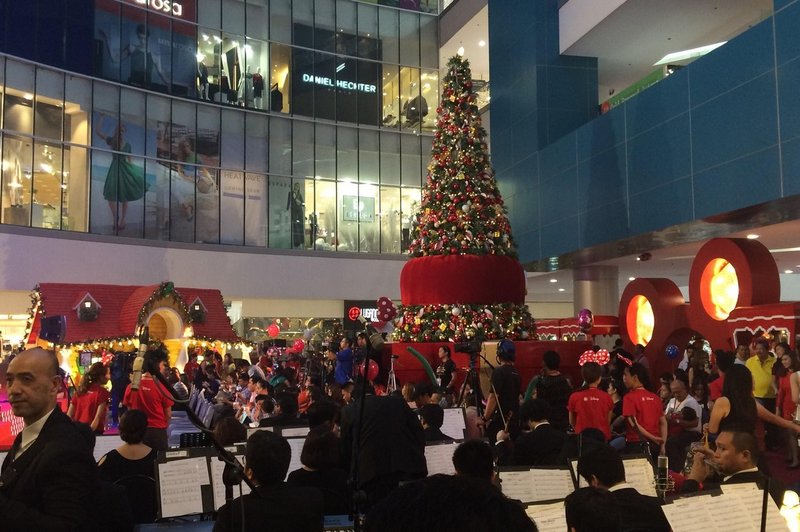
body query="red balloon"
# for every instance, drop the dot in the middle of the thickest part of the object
(299, 345)
(372, 372)
(273, 330)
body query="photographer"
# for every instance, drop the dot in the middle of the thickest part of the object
(502, 405)
(153, 399)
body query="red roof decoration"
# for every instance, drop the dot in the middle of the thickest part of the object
(122, 306)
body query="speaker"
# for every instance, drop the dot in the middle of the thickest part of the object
(53, 329)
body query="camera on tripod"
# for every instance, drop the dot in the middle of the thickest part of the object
(471, 348)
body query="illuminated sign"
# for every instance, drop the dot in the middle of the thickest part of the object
(354, 313)
(640, 320)
(339, 83)
(165, 6)
(719, 289)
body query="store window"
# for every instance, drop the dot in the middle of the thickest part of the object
(369, 216)
(325, 155)
(233, 16)
(390, 220)
(390, 158)
(18, 101)
(280, 84)
(280, 21)
(409, 38)
(410, 198)
(429, 79)
(17, 174)
(347, 154)
(255, 93)
(368, 156)
(414, 107)
(280, 146)
(368, 45)
(255, 210)
(390, 98)
(325, 38)
(257, 19)
(409, 161)
(323, 219)
(346, 27)
(389, 34)
(279, 217)
(232, 207)
(303, 149)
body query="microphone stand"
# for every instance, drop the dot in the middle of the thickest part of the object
(233, 474)
(359, 496)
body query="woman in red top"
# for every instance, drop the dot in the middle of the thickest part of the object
(91, 400)
(786, 406)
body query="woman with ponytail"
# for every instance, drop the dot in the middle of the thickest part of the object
(91, 400)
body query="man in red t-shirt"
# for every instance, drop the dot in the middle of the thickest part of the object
(590, 407)
(642, 409)
(152, 399)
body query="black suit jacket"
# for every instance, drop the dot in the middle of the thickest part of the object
(392, 440)
(543, 445)
(49, 486)
(776, 488)
(640, 512)
(277, 508)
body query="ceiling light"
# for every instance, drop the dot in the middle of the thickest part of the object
(674, 57)
(553, 280)
(788, 271)
(752, 236)
(460, 51)
(562, 289)
(481, 43)
(28, 96)
(631, 278)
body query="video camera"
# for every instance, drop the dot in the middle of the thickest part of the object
(471, 348)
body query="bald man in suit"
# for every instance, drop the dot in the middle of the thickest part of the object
(49, 473)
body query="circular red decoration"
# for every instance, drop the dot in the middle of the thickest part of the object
(354, 313)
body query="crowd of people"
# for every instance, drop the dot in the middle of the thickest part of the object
(365, 449)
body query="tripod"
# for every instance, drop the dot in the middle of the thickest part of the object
(391, 383)
(473, 382)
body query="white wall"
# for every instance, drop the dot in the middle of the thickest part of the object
(29, 259)
(577, 17)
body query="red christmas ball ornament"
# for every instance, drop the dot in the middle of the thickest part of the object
(372, 372)
(273, 330)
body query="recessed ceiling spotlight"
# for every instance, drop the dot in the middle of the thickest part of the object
(788, 271)
(553, 280)
(481, 43)
(631, 278)
(562, 289)
(752, 236)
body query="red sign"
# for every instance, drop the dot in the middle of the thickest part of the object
(354, 313)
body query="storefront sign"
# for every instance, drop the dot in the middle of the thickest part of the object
(353, 310)
(339, 83)
(165, 6)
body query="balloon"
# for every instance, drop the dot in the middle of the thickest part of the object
(273, 330)
(585, 320)
(307, 335)
(672, 352)
(602, 357)
(372, 372)
(298, 346)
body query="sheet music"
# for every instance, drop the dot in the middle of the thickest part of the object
(684, 514)
(295, 432)
(750, 497)
(454, 424)
(217, 467)
(551, 484)
(581, 481)
(639, 474)
(252, 431)
(104, 444)
(296, 444)
(517, 485)
(548, 517)
(179, 484)
(440, 458)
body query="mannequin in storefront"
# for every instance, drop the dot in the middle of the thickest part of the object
(202, 77)
(246, 89)
(296, 207)
(258, 88)
(275, 98)
(224, 86)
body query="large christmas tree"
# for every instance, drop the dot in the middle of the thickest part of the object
(464, 280)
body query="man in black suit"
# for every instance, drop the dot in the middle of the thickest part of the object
(432, 417)
(542, 446)
(49, 473)
(603, 468)
(736, 462)
(273, 506)
(392, 443)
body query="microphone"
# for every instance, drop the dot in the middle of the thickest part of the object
(662, 477)
(138, 363)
